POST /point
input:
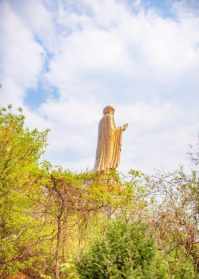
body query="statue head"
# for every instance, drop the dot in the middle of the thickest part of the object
(108, 109)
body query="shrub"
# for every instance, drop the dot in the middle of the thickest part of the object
(126, 251)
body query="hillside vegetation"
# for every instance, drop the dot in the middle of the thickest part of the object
(58, 224)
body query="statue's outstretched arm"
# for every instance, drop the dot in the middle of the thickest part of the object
(124, 127)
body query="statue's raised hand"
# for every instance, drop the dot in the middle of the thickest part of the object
(124, 127)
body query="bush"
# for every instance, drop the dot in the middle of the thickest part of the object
(126, 251)
(129, 251)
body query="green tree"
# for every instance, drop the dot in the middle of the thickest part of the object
(126, 251)
(21, 192)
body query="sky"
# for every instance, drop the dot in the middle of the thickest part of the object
(62, 61)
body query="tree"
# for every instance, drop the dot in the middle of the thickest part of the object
(82, 196)
(21, 180)
(126, 251)
(175, 214)
(49, 215)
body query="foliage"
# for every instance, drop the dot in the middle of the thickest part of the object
(175, 218)
(126, 251)
(40, 204)
(129, 251)
(20, 188)
(49, 216)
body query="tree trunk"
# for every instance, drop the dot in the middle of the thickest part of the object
(57, 263)
(60, 200)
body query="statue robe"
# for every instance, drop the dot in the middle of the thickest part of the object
(109, 144)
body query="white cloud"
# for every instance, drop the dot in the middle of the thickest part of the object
(73, 132)
(157, 137)
(141, 47)
(21, 57)
(36, 16)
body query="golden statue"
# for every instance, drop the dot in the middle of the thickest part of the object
(109, 142)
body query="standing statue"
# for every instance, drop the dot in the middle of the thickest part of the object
(109, 142)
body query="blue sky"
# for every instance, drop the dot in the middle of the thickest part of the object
(64, 60)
